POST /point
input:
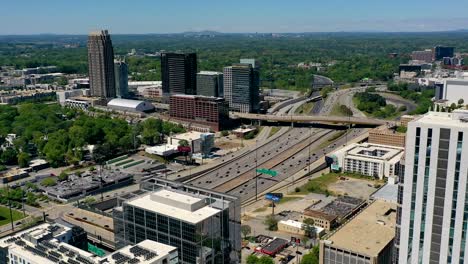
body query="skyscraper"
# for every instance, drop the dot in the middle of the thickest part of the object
(179, 73)
(432, 222)
(121, 78)
(440, 52)
(210, 83)
(101, 64)
(241, 87)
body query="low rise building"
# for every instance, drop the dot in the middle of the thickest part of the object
(383, 135)
(57, 243)
(404, 119)
(373, 160)
(332, 214)
(130, 105)
(198, 142)
(367, 238)
(297, 228)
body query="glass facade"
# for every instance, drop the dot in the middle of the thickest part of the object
(413, 191)
(212, 240)
(425, 190)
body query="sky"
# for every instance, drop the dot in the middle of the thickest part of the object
(263, 16)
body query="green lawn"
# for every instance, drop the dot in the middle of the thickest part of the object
(274, 130)
(288, 199)
(320, 184)
(305, 108)
(5, 215)
(336, 111)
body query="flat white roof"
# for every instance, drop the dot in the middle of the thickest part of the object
(298, 224)
(455, 119)
(189, 136)
(184, 207)
(161, 252)
(210, 73)
(356, 150)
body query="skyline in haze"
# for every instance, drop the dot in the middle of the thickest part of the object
(146, 16)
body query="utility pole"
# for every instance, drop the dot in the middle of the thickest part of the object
(9, 206)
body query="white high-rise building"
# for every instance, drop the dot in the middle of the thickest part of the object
(433, 217)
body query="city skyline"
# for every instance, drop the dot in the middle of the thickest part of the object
(275, 16)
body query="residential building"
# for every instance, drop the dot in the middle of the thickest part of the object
(434, 212)
(121, 78)
(211, 112)
(101, 65)
(241, 87)
(62, 96)
(384, 135)
(423, 55)
(179, 73)
(440, 52)
(210, 83)
(203, 225)
(366, 238)
(58, 243)
(373, 160)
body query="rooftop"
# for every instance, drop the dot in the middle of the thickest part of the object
(124, 103)
(388, 192)
(210, 73)
(458, 119)
(340, 207)
(371, 152)
(186, 208)
(189, 136)
(369, 232)
(39, 246)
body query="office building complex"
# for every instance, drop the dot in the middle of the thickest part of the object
(210, 83)
(101, 65)
(206, 111)
(179, 73)
(432, 222)
(373, 160)
(203, 225)
(440, 52)
(241, 87)
(121, 78)
(367, 238)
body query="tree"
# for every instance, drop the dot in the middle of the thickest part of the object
(183, 143)
(312, 257)
(63, 176)
(265, 260)
(9, 156)
(271, 222)
(308, 227)
(461, 101)
(246, 230)
(252, 259)
(48, 182)
(224, 133)
(23, 159)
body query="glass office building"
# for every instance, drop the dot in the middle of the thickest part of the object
(202, 224)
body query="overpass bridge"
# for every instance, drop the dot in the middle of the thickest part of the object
(311, 119)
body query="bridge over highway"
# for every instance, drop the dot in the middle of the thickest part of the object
(311, 119)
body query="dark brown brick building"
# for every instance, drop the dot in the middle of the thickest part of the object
(202, 110)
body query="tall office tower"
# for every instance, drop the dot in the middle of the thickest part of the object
(179, 73)
(121, 78)
(440, 52)
(210, 83)
(241, 87)
(433, 218)
(101, 64)
(202, 224)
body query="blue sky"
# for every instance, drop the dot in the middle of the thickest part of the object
(157, 16)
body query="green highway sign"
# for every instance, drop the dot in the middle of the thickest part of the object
(272, 173)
